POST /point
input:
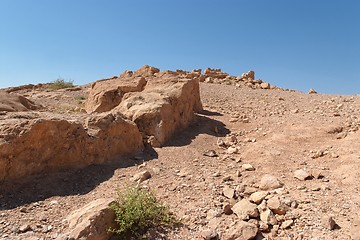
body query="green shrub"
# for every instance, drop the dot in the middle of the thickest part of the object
(80, 97)
(60, 83)
(137, 210)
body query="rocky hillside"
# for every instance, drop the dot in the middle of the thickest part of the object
(233, 157)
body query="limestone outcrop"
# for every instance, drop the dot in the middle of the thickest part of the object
(43, 143)
(160, 103)
(15, 103)
(163, 107)
(107, 94)
(121, 114)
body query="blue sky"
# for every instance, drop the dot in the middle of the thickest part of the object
(292, 44)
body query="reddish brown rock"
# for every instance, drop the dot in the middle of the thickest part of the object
(107, 94)
(91, 221)
(15, 103)
(166, 106)
(49, 144)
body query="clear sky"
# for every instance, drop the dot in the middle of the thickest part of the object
(292, 44)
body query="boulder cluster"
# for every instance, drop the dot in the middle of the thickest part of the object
(246, 79)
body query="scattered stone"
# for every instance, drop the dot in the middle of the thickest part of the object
(209, 235)
(287, 223)
(302, 174)
(241, 231)
(328, 222)
(275, 231)
(232, 120)
(277, 206)
(318, 154)
(317, 174)
(341, 135)
(265, 85)
(216, 174)
(244, 209)
(249, 190)
(227, 209)
(335, 130)
(257, 197)
(213, 213)
(210, 153)
(269, 182)
(24, 228)
(228, 179)
(263, 227)
(232, 150)
(220, 142)
(23, 210)
(312, 91)
(53, 203)
(228, 192)
(247, 167)
(183, 173)
(142, 176)
(268, 217)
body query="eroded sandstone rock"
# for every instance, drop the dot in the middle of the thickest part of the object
(47, 143)
(165, 106)
(107, 94)
(15, 103)
(145, 105)
(91, 221)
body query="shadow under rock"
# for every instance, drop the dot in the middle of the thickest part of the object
(201, 125)
(65, 182)
(210, 113)
(81, 181)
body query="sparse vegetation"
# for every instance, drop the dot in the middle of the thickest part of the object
(60, 83)
(138, 210)
(80, 97)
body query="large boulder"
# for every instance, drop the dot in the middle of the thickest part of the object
(146, 71)
(107, 94)
(15, 103)
(32, 146)
(165, 106)
(160, 103)
(91, 222)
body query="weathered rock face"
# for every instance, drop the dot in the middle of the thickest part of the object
(215, 73)
(164, 107)
(107, 94)
(249, 75)
(15, 103)
(158, 102)
(32, 146)
(146, 71)
(91, 221)
(144, 103)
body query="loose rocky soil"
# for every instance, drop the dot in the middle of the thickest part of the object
(242, 135)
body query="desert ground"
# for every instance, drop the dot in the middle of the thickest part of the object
(306, 144)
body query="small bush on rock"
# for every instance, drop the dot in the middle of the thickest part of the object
(137, 210)
(60, 83)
